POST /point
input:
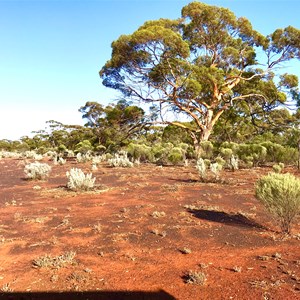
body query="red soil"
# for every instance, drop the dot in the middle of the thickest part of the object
(122, 247)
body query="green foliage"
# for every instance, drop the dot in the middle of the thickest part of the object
(161, 152)
(84, 147)
(274, 151)
(220, 161)
(276, 168)
(252, 152)
(204, 65)
(280, 194)
(230, 145)
(114, 124)
(206, 150)
(100, 149)
(140, 152)
(226, 153)
(176, 155)
(5, 145)
(62, 148)
(176, 135)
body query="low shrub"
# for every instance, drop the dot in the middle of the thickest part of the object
(37, 171)
(220, 161)
(195, 277)
(140, 152)
(277, 168)
(226, 153)
(254, 152)
(234, 163)
(78, 181)
(120, 160)
(280, 194)
(83, 158)
(32, 155)
(56, 262)
(96, 160)
(84, 147)
(59, 161)
(216, 168)
(176, 155)
(201, 168)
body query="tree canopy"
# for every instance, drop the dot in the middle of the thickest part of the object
(202, 65)
(115, 123)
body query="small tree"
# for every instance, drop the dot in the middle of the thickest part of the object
(280, 194)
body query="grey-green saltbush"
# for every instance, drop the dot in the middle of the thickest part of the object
(216, 169)
(120, 160)
(37, 171)
(234, 163)
(280, 194)
(201, 168)
(78, 181)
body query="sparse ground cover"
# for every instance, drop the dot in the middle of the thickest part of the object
(145, 228)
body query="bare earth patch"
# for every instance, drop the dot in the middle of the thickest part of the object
(150, 232)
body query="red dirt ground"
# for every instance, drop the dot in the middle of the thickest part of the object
(123, 250)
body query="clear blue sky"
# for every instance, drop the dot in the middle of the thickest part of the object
(52, 50)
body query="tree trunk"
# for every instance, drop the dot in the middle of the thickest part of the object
(205, 134)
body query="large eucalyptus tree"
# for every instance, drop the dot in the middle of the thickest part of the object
(203, 64)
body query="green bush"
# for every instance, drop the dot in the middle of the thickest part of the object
(278, 153)
(226, 153)
(140, 152)
(84, 147)
(274, 151)
(100, 149)
(230, 145)
(176, 156)
(161, 151)
(206, 149)
(220, 161)
(289, 155)
(280, 194)
(257, 153)
(61, 148)
(278, 167)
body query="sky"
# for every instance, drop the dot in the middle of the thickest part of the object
(51, 51)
